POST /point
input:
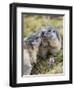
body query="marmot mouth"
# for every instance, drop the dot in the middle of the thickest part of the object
(51, 45)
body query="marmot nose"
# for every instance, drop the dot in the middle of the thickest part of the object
(49, 30)
(42, 34)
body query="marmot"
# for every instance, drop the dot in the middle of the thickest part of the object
(31, 47)
(50, 42)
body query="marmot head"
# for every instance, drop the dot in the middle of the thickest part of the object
(34, 40)
(51, 35)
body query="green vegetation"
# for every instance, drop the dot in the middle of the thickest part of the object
(43, 66)
(32, 23)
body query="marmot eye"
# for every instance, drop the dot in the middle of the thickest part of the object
(49, 30)
(37, 38)
(54, 31)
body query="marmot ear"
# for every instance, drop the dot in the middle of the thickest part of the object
(42, 33)
(58, 35)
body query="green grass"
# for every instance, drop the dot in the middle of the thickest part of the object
(43, 66)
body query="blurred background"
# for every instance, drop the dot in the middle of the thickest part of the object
(31, 23)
